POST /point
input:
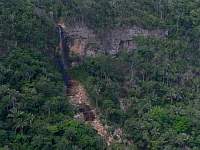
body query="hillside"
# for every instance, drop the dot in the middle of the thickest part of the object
(100, 74)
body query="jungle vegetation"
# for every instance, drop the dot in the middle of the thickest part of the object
(152, 93)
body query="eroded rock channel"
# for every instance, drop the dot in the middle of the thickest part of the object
(79, 98)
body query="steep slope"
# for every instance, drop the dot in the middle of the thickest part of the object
(150, 93)
(79, 98)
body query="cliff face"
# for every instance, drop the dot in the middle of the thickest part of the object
(123, 38)
(85, 41)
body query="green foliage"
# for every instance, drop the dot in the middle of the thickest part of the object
(181, 124)
(159, 114)
(34, 113)
(21, 27)
(154, 85)
(101, 77)
(152, 93)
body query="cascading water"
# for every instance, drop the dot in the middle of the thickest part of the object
(63, 58)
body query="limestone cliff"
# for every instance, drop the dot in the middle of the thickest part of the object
(85, 41)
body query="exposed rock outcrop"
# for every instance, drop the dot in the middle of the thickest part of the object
(85, 41)
(78, 97)
(123, 38)
(88, 114)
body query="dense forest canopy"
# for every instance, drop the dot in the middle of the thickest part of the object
(152, 93)
(34, 112)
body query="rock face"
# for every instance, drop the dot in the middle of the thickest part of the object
(84, 41)
(123, 38)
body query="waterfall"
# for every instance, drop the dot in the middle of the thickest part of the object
(63, 58)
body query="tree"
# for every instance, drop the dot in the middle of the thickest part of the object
(20, 120)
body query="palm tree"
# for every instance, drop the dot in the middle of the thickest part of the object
(20, 119)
